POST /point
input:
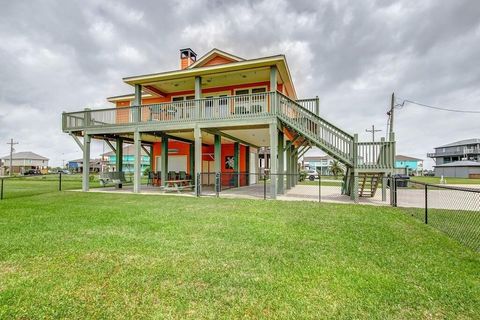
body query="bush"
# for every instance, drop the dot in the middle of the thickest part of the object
(302, 176)
(146, 171)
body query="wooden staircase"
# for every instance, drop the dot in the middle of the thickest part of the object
(369, 161)
(368, 183)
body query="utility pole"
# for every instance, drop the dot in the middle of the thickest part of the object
(373, 130)
(390, 114)
(11, 143)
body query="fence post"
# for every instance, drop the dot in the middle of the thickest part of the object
(1, 190)
(198, 184)
(394, 191)
(426, 204)
(60, 181)
(217, 184)
(319, 188)
(384, 188)
(264, 186)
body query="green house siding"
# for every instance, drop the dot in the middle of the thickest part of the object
(410, 164)
(128, 162)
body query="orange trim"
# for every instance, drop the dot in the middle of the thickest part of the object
(154, 91)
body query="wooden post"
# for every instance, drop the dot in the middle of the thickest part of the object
(119, 155)
(191, 156)
(137, 102)
(273, 159)
(137, 164)
(281, 168)
(236, 163)
(289, 166)
(164, 160)
(247, 164)
(198, 159)
(218, 153)
(86, 163)
(198, 95)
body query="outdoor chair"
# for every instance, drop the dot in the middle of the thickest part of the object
(182, 175)
(172, 175)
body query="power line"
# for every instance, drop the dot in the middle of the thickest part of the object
(436, 108)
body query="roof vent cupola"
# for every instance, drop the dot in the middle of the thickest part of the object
(187, 58)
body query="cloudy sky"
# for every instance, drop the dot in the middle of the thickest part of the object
(66, 55)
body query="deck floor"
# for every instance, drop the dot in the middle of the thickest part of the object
(256, 191)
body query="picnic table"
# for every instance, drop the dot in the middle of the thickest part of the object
(178, 185)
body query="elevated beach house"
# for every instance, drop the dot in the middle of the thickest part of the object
(214, 114)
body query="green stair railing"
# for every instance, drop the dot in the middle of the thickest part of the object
(333, 140)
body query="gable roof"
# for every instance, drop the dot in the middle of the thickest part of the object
(278, 60)
(400, 157)
(212, 54)
(27, 155)
(461, 143)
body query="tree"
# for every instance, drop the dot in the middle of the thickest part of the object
(336, 168)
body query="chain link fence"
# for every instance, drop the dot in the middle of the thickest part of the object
(453, 210)
(292, 187)
(25, 186)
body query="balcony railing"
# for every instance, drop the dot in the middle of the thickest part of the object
(462, 152)
(220, 108)
(316, 130)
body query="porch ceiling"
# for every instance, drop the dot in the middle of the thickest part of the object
(254, 136)
(224, 79)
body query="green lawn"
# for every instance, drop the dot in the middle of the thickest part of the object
(77, 255)
(24, 186)
(436, 180)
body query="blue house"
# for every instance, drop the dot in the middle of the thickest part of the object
(128, 160)
(410, 164)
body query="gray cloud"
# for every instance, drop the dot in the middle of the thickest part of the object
(59, 55)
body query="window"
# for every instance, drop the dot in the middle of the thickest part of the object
(259, 90)
(181, 106)
(250, 100)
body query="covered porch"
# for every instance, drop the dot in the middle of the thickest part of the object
(187, 158)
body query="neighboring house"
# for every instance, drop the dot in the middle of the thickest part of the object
(320, 163)
(461, 150)
(458, 169)
(409, 164)
(212, 116)
(128, 158)
(77, 165)
(23, 161)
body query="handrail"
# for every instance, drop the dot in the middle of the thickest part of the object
(316, 116)
(333, 140)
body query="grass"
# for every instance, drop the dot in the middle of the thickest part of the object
(436, 180)
(462, 225)
(77, 255)
(25, 186)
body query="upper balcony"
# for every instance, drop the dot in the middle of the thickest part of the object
(461, 152)
(228, 108)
